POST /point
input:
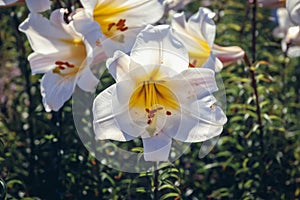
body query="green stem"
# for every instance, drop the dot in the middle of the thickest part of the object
(155, 182)
(258, 110)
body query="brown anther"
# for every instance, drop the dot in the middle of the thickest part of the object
(69, 65)
(147, 110)
(110, 26)
(121, 25)
(62, 65)
(149, 121)
(168, 113)
(59, 62)
(191, 65)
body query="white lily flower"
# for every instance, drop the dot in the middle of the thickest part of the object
(157, 96)
(63, 54)
(293, 8)
(33, 5)
(228, 55)
(198, 35)
(122, 20)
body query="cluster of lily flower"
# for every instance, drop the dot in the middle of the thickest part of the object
(165, 74)
(287, 14)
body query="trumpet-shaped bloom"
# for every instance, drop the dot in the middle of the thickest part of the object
(198, 34)
(122, 20)
(157, 96)
(62, 54)
(293, 7)
(33, 5)
(228, 55)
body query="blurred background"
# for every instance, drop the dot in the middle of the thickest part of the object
(42, 157)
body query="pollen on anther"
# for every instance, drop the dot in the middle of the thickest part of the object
(168, 113)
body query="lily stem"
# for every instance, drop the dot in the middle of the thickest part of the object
(155, 184)
(252, 72)
(258, 110)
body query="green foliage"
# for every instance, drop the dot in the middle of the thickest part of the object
(42, 157)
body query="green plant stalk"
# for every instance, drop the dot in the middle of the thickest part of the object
(252, 73)
(155, 181)
(258, 110)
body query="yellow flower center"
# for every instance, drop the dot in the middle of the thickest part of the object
(154, 98)
(111, 24)
(65, 67)
(199, 56)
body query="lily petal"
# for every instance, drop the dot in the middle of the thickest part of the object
(157, 46)
(136, 12)
(105, 125)
(197, 35)
(120, 65)
(38, 6)
(293, 7)
(228, 55)
(157, 148)
(89, 5)
(40, 64)
(213, 63)
(199, 78)
(87, 80)
(203, 25)
(87, 28)
(45, 36)
(56, 90)
(127, 39)
(201, 124)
